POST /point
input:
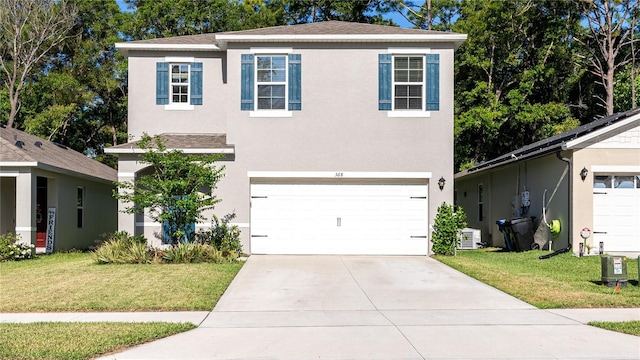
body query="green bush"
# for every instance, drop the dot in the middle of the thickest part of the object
(222, 236)
(12, 250)
(122, 248)
(192, 253)
(447, 229)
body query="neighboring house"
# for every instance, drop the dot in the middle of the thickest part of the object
(334, 134)
(591, 176)
(37, 175)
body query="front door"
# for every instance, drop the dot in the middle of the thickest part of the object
(41, 212)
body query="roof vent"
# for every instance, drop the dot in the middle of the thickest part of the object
(20, 144)
(38, 144)
(60, 145)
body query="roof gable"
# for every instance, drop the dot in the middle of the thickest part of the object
(18, 148)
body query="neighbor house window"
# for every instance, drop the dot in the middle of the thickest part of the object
(480, 202)
(271, 84)
(408, 85)
(80, 205)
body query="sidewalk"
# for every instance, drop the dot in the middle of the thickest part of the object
(198, 317)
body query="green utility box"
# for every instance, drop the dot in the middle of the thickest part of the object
(614, 270)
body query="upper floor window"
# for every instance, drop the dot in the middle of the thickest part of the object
(271, 84)
(178, 85)
(408, 84)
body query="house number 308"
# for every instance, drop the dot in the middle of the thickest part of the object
(339, 174)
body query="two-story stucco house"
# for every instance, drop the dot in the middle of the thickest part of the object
(334, 134)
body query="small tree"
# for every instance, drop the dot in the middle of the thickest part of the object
(447, 229)
(176, 192)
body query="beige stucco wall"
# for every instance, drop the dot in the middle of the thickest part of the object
(339, 128)
(504, 185)
(145, 116)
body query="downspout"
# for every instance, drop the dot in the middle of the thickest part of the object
(570, 231)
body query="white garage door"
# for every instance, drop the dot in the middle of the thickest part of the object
(616, 212)
(339, 218)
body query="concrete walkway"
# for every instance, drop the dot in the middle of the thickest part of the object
(360, 307)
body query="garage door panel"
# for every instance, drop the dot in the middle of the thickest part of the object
(339, 219)
(616, 213)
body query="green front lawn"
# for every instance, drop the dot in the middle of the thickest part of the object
(563, 281)
(60, 340)
(73, 282)
(627, 327)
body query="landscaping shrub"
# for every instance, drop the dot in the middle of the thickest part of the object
(11, 249)
(447, 229)
(192, 253)
(122, 248)
(222, 236)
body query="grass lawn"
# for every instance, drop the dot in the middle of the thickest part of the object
(563, 281)
(73, 282)
(60, 340)
(627, 327)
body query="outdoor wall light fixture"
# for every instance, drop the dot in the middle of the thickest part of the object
(441, 183)
(583, 173)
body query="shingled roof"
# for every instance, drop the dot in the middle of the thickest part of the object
(18, 148)
(338, 31)
(187, 143)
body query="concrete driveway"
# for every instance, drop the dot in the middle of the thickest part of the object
(373, 307)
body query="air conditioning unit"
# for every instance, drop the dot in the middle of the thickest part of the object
(469, 239)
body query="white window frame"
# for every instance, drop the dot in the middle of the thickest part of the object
(285, 112)
(179, 105)
(394, 83)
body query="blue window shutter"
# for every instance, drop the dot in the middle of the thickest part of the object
(295, 82)
(195, 84)
(246, 82)
(166, 233)
(384, 82)
(433, 81)
(162, 83)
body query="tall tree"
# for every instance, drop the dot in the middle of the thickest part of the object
(512, 75)
(362, 11)
(609, 31)
(29, 31)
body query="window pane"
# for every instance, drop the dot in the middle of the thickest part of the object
(623, 182)
(278, 103)
(415, 104)
(415, 75)
(601, 182)
(277, 91)
(278, 62)
(80, 197)
(264, 62)
(401, 75)
(80, 219)
(401, 90)
(264, 91)
(637, 181)
(401, 62)
(415, 63)
(264, 75)
(401, 104)
(415, 90)
(278, 75)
